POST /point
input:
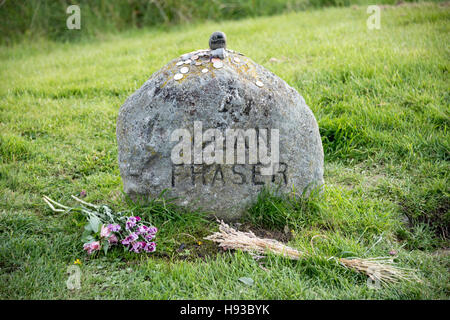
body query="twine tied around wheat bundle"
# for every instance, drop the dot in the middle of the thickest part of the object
(380, 269)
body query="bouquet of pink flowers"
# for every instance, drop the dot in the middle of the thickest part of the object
(105, 228)
(134, 235)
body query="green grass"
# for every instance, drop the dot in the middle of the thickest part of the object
(47, 18)
(381, 98)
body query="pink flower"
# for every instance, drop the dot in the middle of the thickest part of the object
(142, 229)
(91, 247)
(131, 223)
(129, 239)
(95, 245)
(137, 246)
(113, 239)
(114, 227)
(149, 236)
(105, 232)
(149, 246)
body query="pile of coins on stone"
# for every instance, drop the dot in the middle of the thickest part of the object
(196, 58)
(216, 54)
(202, 58)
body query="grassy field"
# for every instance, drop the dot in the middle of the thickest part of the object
(381, 98)
(45, 17)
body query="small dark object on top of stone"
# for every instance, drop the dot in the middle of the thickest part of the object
(217, 40)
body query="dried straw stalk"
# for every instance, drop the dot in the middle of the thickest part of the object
(378, 269)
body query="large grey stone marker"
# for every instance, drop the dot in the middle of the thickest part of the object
(223, 90)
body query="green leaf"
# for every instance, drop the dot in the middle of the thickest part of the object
(105, 247)
(95, 223)
(247, 281)
(87, 234)
(87, 239)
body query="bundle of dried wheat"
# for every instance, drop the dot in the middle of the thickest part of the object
(230, 238)
(381, 269)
